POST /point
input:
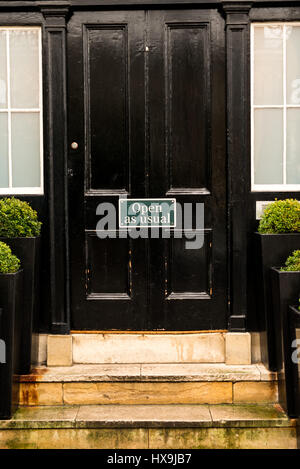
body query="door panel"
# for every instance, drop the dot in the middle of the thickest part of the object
(188, 271)
(188, 288)
(104, 259)
(147, 107)
(107, 137)
(187, 65)
(106, 119)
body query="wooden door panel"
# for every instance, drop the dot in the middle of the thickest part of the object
(106, 50)
(188, 271)
(188, 161)
(105, 258)
(187, 70)
(106, 119)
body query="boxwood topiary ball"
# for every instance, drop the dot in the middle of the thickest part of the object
(281, 216)
(18, 219)
(292, 263)
(9, 264)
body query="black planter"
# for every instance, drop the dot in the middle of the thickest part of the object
(289, 380)
(285, 291)
(27, 250)
(10, 313)
(271, 250)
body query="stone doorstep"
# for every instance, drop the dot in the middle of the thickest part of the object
(145, 347)
(149, 416)
(150, 427)
(151, 438)
(172, 372)
(148, 385)
(199, 347)
(147, 393)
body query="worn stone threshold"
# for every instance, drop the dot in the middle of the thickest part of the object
(150, 372)
(149, 416)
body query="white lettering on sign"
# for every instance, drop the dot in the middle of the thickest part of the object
(147, 213)
(143, 209)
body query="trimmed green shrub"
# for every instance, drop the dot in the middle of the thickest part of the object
(282, 216)
(18, 219)
(9, 264)
(292, 263)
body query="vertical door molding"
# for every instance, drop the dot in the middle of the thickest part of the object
(238, 112)
(56, 160)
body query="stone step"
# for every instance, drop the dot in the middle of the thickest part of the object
(150, 426)
(101, 348)
(148, 384)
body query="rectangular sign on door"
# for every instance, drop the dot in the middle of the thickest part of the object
(147, 213)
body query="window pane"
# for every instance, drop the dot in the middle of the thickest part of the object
(293, 64)
(24, 65)
(268, 64)
(25, 131)
(293, 146)
(4, 181)
(3, 70)
(268, 146)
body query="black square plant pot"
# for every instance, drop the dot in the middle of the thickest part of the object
(10, 308)
(285, 291)
(288, 374)
(289, 380)
(28, 251)
(271, 250)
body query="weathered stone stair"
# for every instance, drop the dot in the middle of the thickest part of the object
(158, 406)
(150, 426)
(149, 384)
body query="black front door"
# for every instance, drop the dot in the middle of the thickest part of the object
(147, 111)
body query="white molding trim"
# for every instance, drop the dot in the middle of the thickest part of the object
(284, 187)
(10, 190)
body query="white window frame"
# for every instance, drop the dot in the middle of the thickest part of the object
(284, 187)
(10, 190)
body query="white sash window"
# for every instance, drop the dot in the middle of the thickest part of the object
(275, 106)
(21, 124)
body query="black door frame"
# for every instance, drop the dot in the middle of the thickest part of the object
(53, 16)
